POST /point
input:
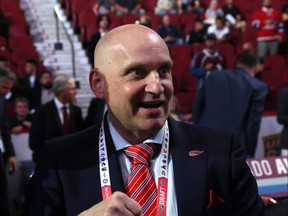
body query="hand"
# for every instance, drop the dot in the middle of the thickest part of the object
(17, 129)
(27, 124)
(209, 66)
(12, 165)
(119, 204)
(268, 201)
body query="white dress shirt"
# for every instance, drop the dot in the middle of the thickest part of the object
(59, 106)
(125, 164)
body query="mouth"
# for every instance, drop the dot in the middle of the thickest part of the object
(151, 104)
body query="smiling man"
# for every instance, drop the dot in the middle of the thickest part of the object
(139, 161)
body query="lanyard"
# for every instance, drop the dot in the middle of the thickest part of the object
(162, 189)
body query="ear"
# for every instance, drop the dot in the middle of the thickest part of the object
(97, 83)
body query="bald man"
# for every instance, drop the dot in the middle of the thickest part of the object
(194, 171)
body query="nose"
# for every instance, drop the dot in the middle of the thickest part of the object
(154, 84)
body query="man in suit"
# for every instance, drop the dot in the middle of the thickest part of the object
(233, 101)
(50, 121)
(4, 201)
(282, 117)
(31, 83)
(88, 173)
(7, 80)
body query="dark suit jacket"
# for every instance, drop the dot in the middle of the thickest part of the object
(4, 201)
(232, 100)
(95, 112)
(46, 124)
(67, 181)
(282, 116)
(33, 94)
(6, 137)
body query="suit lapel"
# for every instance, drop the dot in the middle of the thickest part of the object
(189, 170)
(114, 167)
(56, 116)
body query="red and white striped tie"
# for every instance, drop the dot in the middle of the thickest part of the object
(141, 185)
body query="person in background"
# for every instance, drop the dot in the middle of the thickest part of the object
(269, 25)
(103, 23)
(220, 30)
(168, 7)
(145, 20)
(21, 120)
(7, 80)
(127, 6)
(282, 118)
(197, 34)
(169, 32)
(233, 16)
(212, 12)
(233, 100)
(102, 7)
(46, 93)
(113, 168)
(57, 117)
(207, 60)
(31, 83)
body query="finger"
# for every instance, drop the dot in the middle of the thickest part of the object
(132, 206)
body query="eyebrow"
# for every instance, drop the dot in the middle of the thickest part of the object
(133, 65)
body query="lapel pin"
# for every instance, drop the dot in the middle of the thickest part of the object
(195, 153)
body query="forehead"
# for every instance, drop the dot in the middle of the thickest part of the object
(149, 48)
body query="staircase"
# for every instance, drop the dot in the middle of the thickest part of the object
(41, 17)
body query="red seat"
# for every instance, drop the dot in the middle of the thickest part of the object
(155, 19)
(4, 52)
(78, 6)
(148, 5)
(197, 48)
(180, 50)
(175, 21)
(19, 41)
(229, 52)
(16, 30)
(185, 100)
(129, 18)
(89, 32)
(275, 62)
(3, 42)
(115, 20)
(86, 20)
(21, 54)
(187, 22)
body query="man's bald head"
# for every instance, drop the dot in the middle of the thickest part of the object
(124, 37)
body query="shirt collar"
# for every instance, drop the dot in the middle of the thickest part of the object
(120, 143)
(59, 104)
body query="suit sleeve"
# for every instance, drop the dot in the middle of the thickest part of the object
(4, 201)
(282, 107)
(198, 105)
(6, 136)
(37, 132)
(254, 117)
(43, 194)
(245, 198)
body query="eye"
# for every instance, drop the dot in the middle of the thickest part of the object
(138, 72)
(164, 71)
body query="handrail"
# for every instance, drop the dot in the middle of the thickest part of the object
(60, 18)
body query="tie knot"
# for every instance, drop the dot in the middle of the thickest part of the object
(64, 108)
(140, 153)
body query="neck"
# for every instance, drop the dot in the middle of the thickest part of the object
(130, 135)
